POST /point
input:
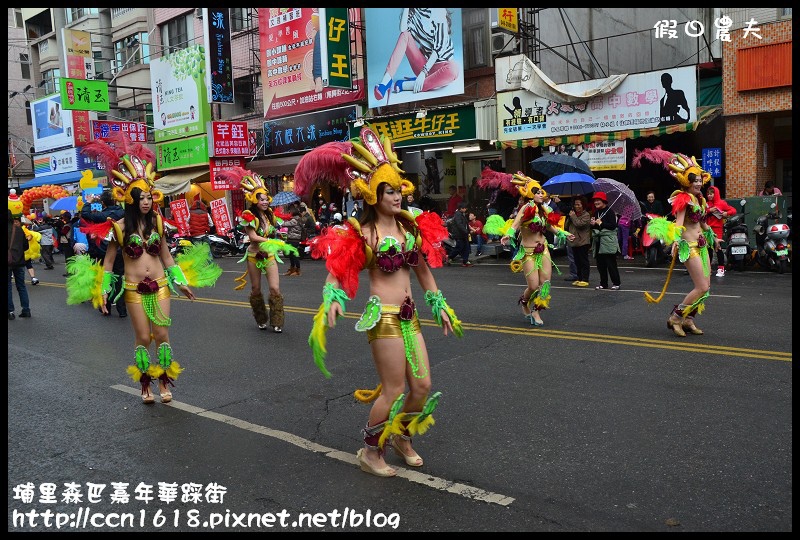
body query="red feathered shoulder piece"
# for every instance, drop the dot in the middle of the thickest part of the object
(96, 231)
(680, 201)
(528, 213)
(553, 218)
(432, 233)
(342, 247)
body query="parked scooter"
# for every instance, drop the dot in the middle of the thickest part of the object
(772, 244)
(177, 244)
(654, 253)
(737, 239)
(235, 243)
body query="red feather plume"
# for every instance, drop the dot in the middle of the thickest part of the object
(109, 150)
(432, 232)
(323, 164)
(233, 176)
(343, 250)
(95, 231)
(553, 218)
(491, 179)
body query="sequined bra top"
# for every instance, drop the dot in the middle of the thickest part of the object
(392, 254)
(136, 246)
(532, 219)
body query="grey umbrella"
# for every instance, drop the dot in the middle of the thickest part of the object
(283, 198)
(621, 199)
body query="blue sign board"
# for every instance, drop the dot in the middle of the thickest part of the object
(307, 131)
(712, 161)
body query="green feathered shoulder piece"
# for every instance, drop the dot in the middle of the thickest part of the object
(665, 230)
(497, 226)
(198, 265)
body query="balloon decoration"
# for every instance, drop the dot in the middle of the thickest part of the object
(88, 180)
(42, 192)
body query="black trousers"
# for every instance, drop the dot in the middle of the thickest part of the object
(607, 266)
(581, 256)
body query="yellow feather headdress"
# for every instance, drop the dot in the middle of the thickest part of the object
(526, 185)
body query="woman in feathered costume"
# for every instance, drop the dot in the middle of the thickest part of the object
(389, 242)
(263, 254)
(690, 236)
(150, 271)
(526, 231)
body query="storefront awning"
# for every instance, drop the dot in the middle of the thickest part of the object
(58, 179)
(180, 181)
(704, 114)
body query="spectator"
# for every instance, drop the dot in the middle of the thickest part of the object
(716, 214)
(623, 235)
(453, 201)
(461, 234)
(46, 230)
(294, 235)
(476, 233)
(199, 220)
(34, 250)
(17, 245)
(651, 206)
(605, 245)
(578, 223)
(66, 239)
(769, 189)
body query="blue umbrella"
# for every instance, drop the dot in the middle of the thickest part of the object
(571, 183)
(70, 204)
(283, 198)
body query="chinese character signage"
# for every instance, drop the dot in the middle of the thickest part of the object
(182, 153)
(645, 100)
(442, 126)
(61, 161)
(219, 67)
(292, 66)
(229, 139)
(84, 95)
(436, 30)
(508, 20)
(307, 131)
(77, 46)
(136, 131)
(217, 165)
(712, 161)
(180, 215)
(221, 217)
(180, 107)
(335, 29)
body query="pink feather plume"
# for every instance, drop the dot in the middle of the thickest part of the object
(656, 155)
(323, 164)
(491, 179)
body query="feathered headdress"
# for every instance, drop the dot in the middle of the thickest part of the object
(251, 182)
(527, 186)
(127, 164)
(364, 163)
(679, 165)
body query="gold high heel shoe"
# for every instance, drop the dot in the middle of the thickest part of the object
(148, 398)
(411, 461)
(688, 324)
(384, 472)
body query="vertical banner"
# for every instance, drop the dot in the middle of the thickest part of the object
(78, 53)
(180, 215)
(217, 165)
(219, 67)
(178, 83)
(336, 59)
(392, 77)
(221, 217)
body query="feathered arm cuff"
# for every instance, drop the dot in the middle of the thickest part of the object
(196, 266)
(318, 340)
(437, 303)
(711, 237)
(343, 249)
(84, 280)
(432, 232)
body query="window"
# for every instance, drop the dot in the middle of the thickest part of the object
(50, 78)
(244, 95)
(25, 65)
(131, 51)
(18, 18)
(475, 24)
(177, 34)
(241, 19)
(73, 14)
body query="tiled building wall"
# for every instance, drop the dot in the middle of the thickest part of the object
(748, 166)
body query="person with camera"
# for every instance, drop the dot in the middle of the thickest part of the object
(44, 226)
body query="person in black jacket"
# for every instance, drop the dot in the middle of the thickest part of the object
(461, 233)
(98, 246)
(17, 245)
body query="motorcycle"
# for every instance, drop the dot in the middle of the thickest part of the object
(654, 253)
(176, 244)
(737, 240)
(772, 246)
(235, 243)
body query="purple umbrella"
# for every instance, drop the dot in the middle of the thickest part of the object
(621, 199)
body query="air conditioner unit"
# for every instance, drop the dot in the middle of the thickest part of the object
(503, 43)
